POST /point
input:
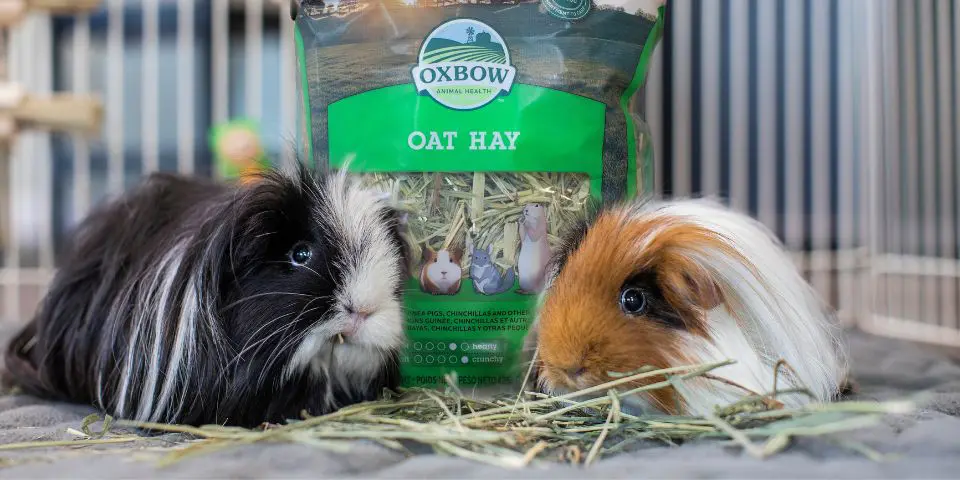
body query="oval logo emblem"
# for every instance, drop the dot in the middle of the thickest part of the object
(464, 64)
(567, 9)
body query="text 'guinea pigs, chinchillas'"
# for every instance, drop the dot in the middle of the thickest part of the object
(682, 283)
(189, 301)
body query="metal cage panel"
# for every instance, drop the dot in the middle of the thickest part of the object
(832, 121)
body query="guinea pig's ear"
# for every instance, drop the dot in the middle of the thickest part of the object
(684, 283)
(402, 219)
(398, 226)
(572, 235)
(456, 254)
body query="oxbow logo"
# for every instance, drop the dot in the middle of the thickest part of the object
(464, 64)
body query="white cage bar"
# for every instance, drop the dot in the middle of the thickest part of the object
(847, 108)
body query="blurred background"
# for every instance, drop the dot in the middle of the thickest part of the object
(835, 122)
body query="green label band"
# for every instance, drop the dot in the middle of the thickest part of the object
(534, 129)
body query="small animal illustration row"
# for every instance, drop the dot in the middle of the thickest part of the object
(441, 272)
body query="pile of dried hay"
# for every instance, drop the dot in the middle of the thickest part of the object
(515, 432)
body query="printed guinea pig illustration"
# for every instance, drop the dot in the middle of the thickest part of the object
(440, 273)
(534, 248)
(487, 280)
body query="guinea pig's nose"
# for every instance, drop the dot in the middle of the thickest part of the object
(357, 315)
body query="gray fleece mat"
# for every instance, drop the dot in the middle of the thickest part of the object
(927, 444)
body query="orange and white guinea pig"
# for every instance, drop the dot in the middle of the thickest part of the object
(679, 283)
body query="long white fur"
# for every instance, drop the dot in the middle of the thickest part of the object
(148, 330)
(161, 285)
(181, 357)
(769, 313)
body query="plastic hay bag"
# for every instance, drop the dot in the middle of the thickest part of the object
(492, 124)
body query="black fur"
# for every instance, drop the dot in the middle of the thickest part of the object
(234, 242)
(573, 235)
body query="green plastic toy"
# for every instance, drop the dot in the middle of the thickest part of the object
(238, 149)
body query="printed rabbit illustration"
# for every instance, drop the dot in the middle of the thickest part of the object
(534, 248)
(487, 280)
(441, 272)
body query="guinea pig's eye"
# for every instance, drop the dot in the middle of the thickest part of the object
(633, 301)
(300, 254)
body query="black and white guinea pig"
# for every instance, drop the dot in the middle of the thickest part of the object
(678, 283)
(193, 301)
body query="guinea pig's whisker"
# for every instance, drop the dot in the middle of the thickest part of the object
(304, 311)
(271, 322)
(278, 348)
(284, 330)
(287, 330)
(544, 386)
(380, 356)
(383, 358)
(281, 346)
(310, 269)
(260, 342)
(251, 297)
(315, 272)
(287, 342)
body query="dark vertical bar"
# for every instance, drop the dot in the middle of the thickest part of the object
(725, 101)
(835, 126)
(666, 173)
(753, 139)
(203, 161)
(956, 142)
(953, 118)
(781, 69)
(696, 146)
(925, 310)
(61, 147)
(921, 127)
(807, 123)
(901, 159)
(938, 106)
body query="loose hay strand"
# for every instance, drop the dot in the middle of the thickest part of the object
(612, 418)
(63, 443)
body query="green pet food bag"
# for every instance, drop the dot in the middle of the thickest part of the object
(492, 124)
